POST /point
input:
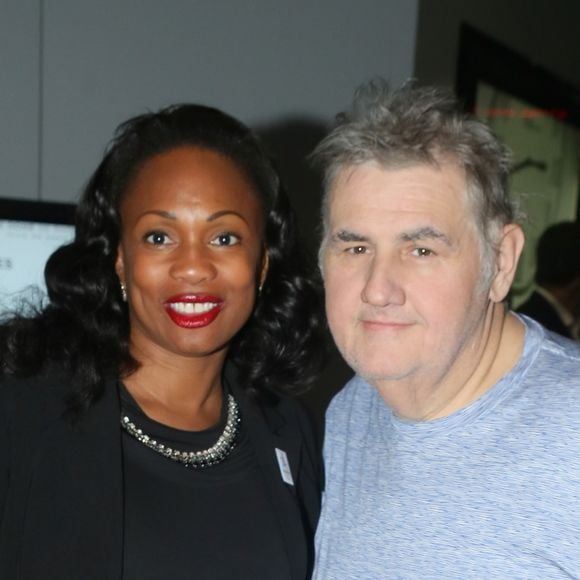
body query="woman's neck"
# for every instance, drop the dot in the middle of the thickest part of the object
(181, 392)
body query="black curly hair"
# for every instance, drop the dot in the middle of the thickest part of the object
(85, 324)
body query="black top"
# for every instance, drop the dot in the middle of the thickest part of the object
(62, 488)
(181, 523)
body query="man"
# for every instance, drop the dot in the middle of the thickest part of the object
(555, 302)
(454, 452)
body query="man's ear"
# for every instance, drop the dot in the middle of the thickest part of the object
(507, 257)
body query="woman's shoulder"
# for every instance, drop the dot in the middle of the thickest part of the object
(273, 403)
(285, 413)
(50, 376)
(35, 394)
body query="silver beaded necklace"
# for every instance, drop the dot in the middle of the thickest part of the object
(194, 459)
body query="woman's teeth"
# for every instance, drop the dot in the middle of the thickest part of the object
(192, 307)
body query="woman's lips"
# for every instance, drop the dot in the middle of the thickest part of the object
(193, 311)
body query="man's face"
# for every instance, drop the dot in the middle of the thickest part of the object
(402, 269)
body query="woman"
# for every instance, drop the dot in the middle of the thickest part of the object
(141, 430)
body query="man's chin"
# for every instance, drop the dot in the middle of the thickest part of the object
(378, 372)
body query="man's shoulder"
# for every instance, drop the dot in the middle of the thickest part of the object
(356, 396)
(556, 355)
(550, 375)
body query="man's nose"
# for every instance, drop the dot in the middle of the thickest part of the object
(383, 285)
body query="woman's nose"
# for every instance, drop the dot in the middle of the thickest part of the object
(193, 264)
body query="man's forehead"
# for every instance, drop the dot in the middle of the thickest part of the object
(381, 185)
(416, 202)
(442, 164)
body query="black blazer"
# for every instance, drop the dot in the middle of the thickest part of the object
(61, 492)
(538, 308)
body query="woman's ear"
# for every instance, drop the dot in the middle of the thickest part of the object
(120, 265)
(507, 257)
(120, 269)
(264, 269)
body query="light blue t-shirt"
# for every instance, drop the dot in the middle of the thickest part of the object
(492, 491)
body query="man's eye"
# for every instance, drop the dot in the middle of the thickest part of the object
(226, 239)
(157, 238)
(422, 252)
(357, 250)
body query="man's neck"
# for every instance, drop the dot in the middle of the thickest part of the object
(495, 352)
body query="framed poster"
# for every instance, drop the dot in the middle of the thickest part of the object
(537, 116)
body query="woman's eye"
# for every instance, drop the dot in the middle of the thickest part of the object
(226, 239)
(157, 238)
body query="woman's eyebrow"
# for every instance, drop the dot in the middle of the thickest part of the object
(219, 214)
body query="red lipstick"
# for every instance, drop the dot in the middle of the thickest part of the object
(193, 310)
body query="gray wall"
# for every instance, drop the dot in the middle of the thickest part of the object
(545, 31)
(73, 69)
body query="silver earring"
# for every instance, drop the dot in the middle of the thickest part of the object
(123, 292)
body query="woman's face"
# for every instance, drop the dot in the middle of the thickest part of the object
(191, 253)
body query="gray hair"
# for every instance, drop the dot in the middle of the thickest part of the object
(422, 125)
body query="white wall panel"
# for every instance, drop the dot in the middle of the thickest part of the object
(261, 60)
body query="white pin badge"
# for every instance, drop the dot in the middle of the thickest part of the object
(284, 466)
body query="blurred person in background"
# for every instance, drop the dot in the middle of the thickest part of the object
(555, 302)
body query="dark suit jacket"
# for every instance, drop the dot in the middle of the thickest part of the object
(538, 308)
(61, 492)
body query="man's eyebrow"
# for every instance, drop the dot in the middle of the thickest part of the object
(425, 233)
(346, 236)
